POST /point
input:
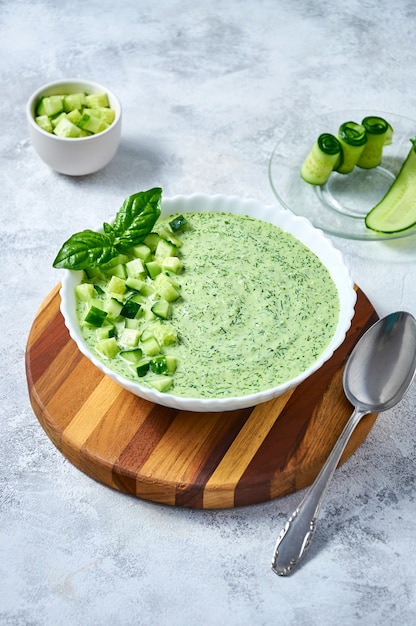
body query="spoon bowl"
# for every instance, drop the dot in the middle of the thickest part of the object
(382, 364)
(378, 373)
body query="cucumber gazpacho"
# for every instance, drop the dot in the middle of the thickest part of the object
(202, 304)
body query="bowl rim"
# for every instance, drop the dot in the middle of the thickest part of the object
(36, 95)
(312, 237)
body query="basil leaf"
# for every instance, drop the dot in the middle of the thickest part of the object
(85, 250)
(136, 218)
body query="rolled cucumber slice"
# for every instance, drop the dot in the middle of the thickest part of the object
(324, 156)
(378, 133)
(397, 209)
(353, 138)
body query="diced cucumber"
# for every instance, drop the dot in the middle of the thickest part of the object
(105, 114)
(105, 332)
(133, 356)
(178, 223)
(161, 383)
(119, 270)
(96, 100)
(90, 114)
(130, 337)
(135, 268)
(151, 241)
(165, 288)
(142, 251)
(150, 346)
(130, 309)
(135, 283)
(65, 128)
(142, 367)
(92, 124)
(113, 307)
(158, 365)
(74, 101)
(117, 285)
(74, 116)
(161, 308)
(108, 348)
(164, 249)
(132, 323)
(166, 233)
(95, 316)
(84, 292)
(50, 105)
(171, 363)
(147, 290)
(172, 264)
(44, 122)
(153, 268)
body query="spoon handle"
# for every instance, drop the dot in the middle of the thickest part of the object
(296, 536)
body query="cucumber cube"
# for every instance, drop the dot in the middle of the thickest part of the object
(165, 248)
(117, 285)
(108, 348)
(92, 124)
(105, 332)
(142, 367)
(95, 316)
(113, 307)
(150, 346)
(158, 365)
(65, 128)
(142, 252)
(44, 122)
(130, 309)
(131, 356)
(50, 105)
(153, 268)
(172, 264)
(85, 292)
(161, 308)
(130, 337)
(161, 383)
(74, 101)
(135, 268)
(165, 288)
(95, 100)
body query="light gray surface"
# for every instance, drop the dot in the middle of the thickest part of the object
(206, 88)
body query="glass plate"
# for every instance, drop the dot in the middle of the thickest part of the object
(340, 206)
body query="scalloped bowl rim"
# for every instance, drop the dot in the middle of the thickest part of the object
(298, 226)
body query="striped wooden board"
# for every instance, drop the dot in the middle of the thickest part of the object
(209, 460)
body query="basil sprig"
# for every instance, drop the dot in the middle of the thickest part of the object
(133, 222)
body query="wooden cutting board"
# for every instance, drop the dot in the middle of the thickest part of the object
(198, 460)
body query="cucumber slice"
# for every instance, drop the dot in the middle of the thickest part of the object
(353, 138)
(323, 157)
(397, 210)
(376, 129)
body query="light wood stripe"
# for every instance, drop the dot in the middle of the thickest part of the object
(241, 452)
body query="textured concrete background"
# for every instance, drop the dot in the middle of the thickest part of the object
(207, 89)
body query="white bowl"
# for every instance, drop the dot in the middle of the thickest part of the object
(74, 156)
(301, 228)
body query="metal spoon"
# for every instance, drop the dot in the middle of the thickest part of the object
(376, 376)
